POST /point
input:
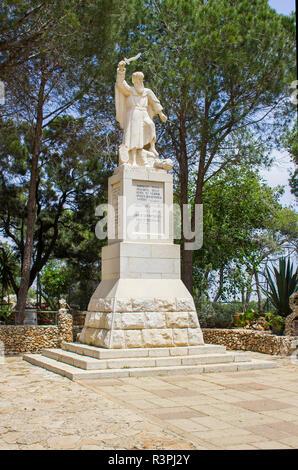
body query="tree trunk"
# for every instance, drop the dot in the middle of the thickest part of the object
(260, 304)
(248, 291)
(186, 273)
(31, 208)
(242, 299)
(219, 291)
(187, 255)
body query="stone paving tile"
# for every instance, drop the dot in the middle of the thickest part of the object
(286, 415)
(168, 393)
(262, 405)
(290, 428)
(242, 420)
(268, 432)
(239, 447)
(189, 425)
(270, 445)
(220, 438)
(106, 382)
(176, 412)
(247, 386)
(141, 404)
(290, 441)
(212, 423)
(161, 402)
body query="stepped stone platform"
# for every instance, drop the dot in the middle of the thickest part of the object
(80, 361)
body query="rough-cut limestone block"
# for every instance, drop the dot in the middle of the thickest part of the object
(193, 320)
(132, 321)
(88, 319)
(158, 338)
(94, 320)
(112, 320)
(177, 319)
(100, 339)
(195, 336)
(155, 320)
(163, 305)
(81, 336)
(89, 335)
(134, 339)
(185, 305)
(116, 339)
(180, 336)
(143, 305)
(101, 305)
(122, 305)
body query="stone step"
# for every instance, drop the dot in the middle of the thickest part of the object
(103, 353)
(88, 363)
(73, 373)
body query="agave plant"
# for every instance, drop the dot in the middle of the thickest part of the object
(282, 283)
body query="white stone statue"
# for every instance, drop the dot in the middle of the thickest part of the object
(135, 108)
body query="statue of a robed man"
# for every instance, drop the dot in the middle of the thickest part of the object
(135, 108)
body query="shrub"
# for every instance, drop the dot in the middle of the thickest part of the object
(276, 323)
(6, 315)
(215, 315)
(282, 283)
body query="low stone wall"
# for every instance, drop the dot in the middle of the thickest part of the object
(19, 339)
(78, 318)
(250, 340)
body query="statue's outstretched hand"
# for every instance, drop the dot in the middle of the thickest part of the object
(122, 64)
(163, 117)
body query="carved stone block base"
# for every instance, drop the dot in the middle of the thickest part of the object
(157, 318)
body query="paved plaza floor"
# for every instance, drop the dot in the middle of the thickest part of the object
(227, 410)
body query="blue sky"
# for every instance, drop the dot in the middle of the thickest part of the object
(283, 6)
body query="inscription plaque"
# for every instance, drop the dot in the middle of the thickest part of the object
(148, 208)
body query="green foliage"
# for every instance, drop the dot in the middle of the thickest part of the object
(282, 283)
(273, 322)
(244, 224)
(70, 171)
(276, 323)
(228, 309)
(8, 269)
(205, 313)
(291, 143)
(6, 315)
(55, 280)
(212, 315)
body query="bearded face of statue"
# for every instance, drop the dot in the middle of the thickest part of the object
(138, 84)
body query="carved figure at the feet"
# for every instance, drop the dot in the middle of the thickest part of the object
(135, 108)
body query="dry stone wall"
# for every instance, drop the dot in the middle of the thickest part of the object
(250, 340)
(292, 320)
(17, 339)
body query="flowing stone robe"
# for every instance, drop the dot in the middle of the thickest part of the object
(134, 112)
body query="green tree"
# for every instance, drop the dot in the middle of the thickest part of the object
(245, 225)
(222, 70)
(71, 182)
(291, 143)
(8, 269)
(49, 81)
(55, 282)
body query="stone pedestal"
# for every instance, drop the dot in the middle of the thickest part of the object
(141, 301)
